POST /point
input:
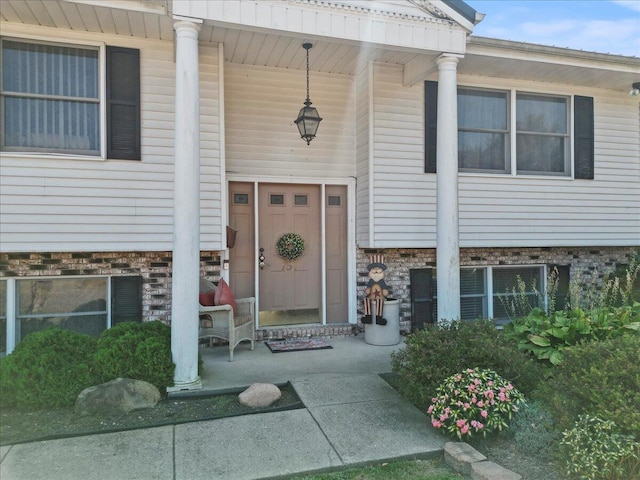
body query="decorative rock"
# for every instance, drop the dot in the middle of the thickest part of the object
(260, 395)
(460, 456)
(121, 395)
(492, 471)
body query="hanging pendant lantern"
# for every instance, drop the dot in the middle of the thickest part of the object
(308, 118)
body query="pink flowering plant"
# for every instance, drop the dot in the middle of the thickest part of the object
(474, 401)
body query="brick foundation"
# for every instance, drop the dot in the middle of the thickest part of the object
(155, 269)
(583, 261)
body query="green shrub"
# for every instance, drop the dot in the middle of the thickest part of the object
(598, 378)
(474, 401)
(433, 354)
(141, 351)
(48, 368)
(593, 450)
(547, 336)
(533, 431)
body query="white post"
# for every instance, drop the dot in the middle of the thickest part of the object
(448, 248)
(186, 210)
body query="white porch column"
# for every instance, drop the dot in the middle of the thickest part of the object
(448, 249)
(186, 210)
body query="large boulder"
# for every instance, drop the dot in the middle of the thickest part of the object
(121, 395)
(260, 395)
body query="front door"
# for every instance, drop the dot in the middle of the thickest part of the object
(290, 288)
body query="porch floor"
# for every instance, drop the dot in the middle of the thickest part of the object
(349, 356)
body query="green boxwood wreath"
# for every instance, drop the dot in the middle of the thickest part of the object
(290, 246)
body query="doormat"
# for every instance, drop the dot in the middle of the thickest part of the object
(297, 345)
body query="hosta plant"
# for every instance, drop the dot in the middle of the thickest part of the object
(474, 401)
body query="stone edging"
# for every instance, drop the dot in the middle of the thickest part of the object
(465, 459)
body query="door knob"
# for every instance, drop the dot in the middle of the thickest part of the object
(261, 258)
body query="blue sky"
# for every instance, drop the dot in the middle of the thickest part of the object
(605, 26)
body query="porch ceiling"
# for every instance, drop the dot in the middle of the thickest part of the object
(485, 57)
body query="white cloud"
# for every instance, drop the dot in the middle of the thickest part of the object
(631, 4)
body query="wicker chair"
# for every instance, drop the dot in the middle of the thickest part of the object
(220, 322)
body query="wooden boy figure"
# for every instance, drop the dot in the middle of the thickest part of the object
(376, 291)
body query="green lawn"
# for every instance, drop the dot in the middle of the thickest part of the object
(403, 470)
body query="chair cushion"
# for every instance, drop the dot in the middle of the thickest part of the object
(224, 296)
(207, 299)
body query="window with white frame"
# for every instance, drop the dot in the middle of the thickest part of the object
(84, 304)
(50, 98)
(485, 292)
(59, 99)
(483, 131)
(516, 133)
(542, 133)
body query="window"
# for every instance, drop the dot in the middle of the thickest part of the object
(542, 135)
(483, 131)
(473, 294)
(505, 288)
(539, 135)
(83, 304)
(485, 291)
(50, 96)
(75, 304)
(50, 99)
(300, 200)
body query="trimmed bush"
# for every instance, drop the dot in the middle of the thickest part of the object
(141, 351)
(597, 378)
(594, 450)
(48, 368)
(533, 432)
(433, 354)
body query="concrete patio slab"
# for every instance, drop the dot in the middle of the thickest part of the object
(252, 446)
(349, 355)
(3, 451)
(332, 389)
(378, 431)
(136, 454)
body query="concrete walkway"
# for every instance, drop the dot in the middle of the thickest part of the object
(352, 417)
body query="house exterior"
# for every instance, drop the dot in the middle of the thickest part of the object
(147, 143)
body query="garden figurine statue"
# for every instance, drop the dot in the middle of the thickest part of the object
(375, 292)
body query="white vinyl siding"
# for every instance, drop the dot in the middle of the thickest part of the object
(405, 197)
(261, 139)
(501, 210)
(58, 203)
(364, 94)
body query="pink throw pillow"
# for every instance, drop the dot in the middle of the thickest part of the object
(207, 299)
(224, 296)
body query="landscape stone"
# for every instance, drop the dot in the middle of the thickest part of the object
(492, 471)
(121, 395)
(260, 395)
(460, 456)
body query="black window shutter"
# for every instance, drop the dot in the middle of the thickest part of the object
(583, 141)
(126, 299)
(123, 103)
(421, 286)
(562, 294)
(430, 125)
